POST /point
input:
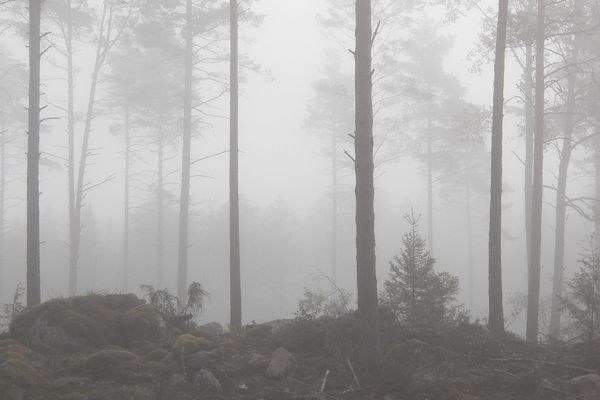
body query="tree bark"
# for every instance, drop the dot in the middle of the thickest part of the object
(184, 201)
(160, 201)
(234, 200)
(334, 204)
(429, 185)
(126, 188)
(528, 181)
(597, 187)
(2, 205)
(470, 262)
(33, 157)
(533, 298)
(496, 307)
(369, 342)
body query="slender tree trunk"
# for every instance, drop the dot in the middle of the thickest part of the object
(533, 298)
(80, 191)
(182, 270)
(73, 219)
(561, 197)
(470, 236)
(234, 200)
(528, 88)
(127, 176)
(160, 200)
(33, 157)
(368, 314)
(597, 186)
(334, 204)
(2, 206)
(496, 307)
(429, 186)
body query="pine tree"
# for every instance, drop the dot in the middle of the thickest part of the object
(414, 291)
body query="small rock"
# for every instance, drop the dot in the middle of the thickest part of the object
(212, 328)
(206, 382)
(199, 360)
(281, 363)
(177, 380)
(257, 361)
(586, 386)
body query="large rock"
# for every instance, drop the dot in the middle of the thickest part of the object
(144, 323)
(206, 383)
(68, 325)
(212, 328)
(586, 386)
(282, 361)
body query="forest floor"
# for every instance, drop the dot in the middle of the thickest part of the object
(115, 347)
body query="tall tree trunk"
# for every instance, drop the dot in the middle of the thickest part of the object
(127, 182)
(234, 200)
(469, 210)
(2, 205)
(33, 157)
(334, 204)
(429, 185)
(533, 296)
(496, 307)
(184, 201)
(368, 317)
(528, 179)
(160, 200)
(73, 220)
(597, 186)
(80, 190)
(561, 196)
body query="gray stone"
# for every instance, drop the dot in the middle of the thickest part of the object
(586, 386)
(281, 363)
(257, 361)
(212, 328)
(200, 360)
(207, 383)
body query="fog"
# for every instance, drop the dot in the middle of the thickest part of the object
(285, 174)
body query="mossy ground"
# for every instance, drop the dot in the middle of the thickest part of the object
(453, 363)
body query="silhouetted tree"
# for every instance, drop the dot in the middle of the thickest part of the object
(533, 292)
(496, 308)
(33, 157)
(370, 349)
(234, 200)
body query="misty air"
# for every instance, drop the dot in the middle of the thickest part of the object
(299, 199)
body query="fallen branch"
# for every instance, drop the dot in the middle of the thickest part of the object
(540, 362)
(324, 381)
(353, 373)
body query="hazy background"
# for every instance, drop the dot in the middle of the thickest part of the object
(284, 184)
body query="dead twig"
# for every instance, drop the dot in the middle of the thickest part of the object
(353, 373)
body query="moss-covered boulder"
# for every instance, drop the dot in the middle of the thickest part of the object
(21, 366)
(113, 364)
(69, 325)
(143, 323)
(188, 344)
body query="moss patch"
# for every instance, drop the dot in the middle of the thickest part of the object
(187, 344)
(119, 365)
(20, 366)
